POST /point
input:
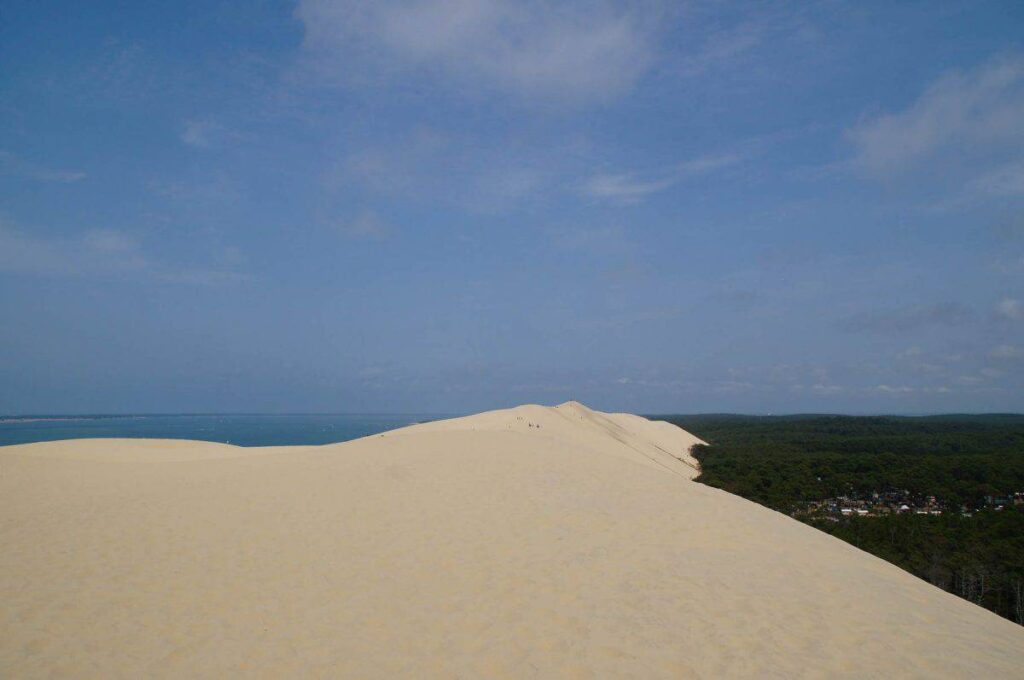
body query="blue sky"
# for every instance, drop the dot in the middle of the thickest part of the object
(452, 205)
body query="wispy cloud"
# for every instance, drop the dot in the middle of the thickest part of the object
(629, 188)
(480, 175)
(1010, 308)
(909, 318)
(1005, 180)
(723, 46)
(624, 188)
(110, 241)
(98, 252)
(965, 112)
(745, 42)
(894, 390)
(394, 169)
(1006, 352)
(11, 164)
(200, 133)
(367, 225)
(570, 51)
(596, 241)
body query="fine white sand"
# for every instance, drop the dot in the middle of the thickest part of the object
(531, 542)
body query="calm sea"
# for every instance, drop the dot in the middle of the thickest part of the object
(242, 430)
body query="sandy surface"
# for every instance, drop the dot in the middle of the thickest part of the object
(532, 542)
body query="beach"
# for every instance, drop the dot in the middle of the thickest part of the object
(536, 541)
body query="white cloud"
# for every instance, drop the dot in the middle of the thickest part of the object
(199, 133)
(623, 188)
(724, 46)
(596, 241)
(627, 188)
(486, 175)
(1006, 180)
(568, 51)
(473, 174)
(964, 111)
(97, 252)
(1011, 309)
(1006, 352)
(11, 164)
(901, 319)
(406, 166)
(709, 163)
(110, 241)
(366, 225)
(889, 389)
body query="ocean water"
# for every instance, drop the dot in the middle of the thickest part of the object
(241, 430)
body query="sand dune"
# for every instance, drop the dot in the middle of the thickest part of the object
(530, 542)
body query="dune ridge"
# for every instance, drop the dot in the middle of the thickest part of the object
(528, 542)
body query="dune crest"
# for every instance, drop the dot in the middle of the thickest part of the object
(653, 443)
(528, 542)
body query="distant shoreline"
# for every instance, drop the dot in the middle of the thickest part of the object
(141, 416)
(234, 428)
(51, 419)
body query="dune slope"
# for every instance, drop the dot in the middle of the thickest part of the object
(530, 542)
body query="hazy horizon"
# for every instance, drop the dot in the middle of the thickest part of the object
(456, 414)
(449, 206)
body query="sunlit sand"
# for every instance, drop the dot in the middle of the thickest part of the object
(531, 542)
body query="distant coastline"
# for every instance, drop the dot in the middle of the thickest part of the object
(38, 418)
(240, 429)
(52, 419)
